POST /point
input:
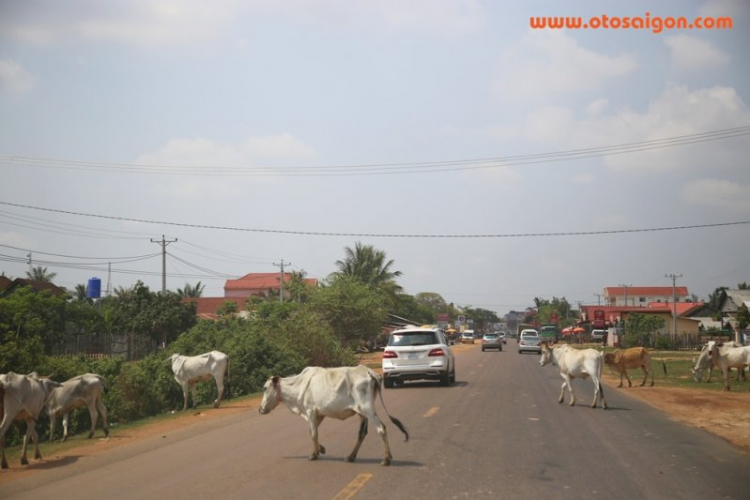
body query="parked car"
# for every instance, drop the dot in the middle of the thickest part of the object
(598, 334)
(529, 341)
(492, 341)
(467, 337)
(418, 354)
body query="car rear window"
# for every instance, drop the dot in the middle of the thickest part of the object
(416, 338)
(490, 336)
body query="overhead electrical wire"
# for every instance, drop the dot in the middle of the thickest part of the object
(383, 235)
(384, 168)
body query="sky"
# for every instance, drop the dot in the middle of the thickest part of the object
(492, 162)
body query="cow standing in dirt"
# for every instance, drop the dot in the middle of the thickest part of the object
(83, 390)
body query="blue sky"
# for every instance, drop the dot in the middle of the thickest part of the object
(263, 87)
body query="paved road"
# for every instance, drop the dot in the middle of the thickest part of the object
(498, 433)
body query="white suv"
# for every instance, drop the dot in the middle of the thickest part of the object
(418, 354)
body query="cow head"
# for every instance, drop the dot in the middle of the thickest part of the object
(546, 355)
(271, 395)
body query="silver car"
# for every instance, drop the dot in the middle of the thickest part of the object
(529, 341)
(492, 341)
(418, 354)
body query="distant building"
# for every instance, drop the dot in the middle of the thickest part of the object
(8, 286)
(260, 285)
(642, 296)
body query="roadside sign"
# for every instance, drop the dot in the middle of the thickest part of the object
(462, 319)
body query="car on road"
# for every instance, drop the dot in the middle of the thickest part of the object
(529, 341)
(467, 337)
(492, 341)
(418, 354)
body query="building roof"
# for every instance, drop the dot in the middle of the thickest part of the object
(633, 291)
(39, 286)
(261, 281)
(734, 299)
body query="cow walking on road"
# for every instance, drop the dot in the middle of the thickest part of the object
(189, 370)
(22, 397)
(83, 390)
(575, 363)
(317, 393)
(635, 357)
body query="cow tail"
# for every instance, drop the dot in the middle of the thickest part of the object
(229, 384)
(664, 365)
(379, 389)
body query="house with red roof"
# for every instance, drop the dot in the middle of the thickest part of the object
(606, 316)
(239, 290)
(641, 296)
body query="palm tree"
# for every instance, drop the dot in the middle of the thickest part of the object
(191, 291)
(370, 266)
(40, 273)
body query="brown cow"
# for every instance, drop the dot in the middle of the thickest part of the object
(635, 357)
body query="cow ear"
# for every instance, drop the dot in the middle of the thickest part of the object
(275, 381)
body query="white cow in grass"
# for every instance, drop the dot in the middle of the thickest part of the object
(188, 370)
(83, 390)
(575, 363)
(317, 393)
(726, 358)
(22, 397)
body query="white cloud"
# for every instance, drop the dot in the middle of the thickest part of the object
(278, 147)
(597, 107)
(548, 63)
(584, 179)
(693, 54)
(15, 239)
(728, 195)
(14, 79)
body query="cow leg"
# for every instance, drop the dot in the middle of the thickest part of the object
(360, 438)
(30, 431)
(66, 422)
(3, 428)
(725, 372)
(598, 391)
(384, 436)
(185, 395)
(314, 421)
(562, 393)
(52, 426)
(710, 371)
(192, 389)
(94, 417)
(103, 410)
(220, 389)
(645, 376)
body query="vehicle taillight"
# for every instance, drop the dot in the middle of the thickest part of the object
(389, 354)
(436, 352)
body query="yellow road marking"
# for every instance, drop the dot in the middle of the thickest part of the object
(431, 412)
(352, 488)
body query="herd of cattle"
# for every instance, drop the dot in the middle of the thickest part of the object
(317, 393)
(585, 363)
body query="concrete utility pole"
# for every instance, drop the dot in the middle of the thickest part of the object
(281, 281)
(674, 299)
(163, 244)
(30, 264)
(626, 293)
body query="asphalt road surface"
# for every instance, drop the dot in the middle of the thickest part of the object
(498, 433)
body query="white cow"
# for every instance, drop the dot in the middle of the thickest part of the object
(22, 397)
(338, 393)
(726, 358)
(704, 362)
(188, 370)
(83, 390)
(575, 363)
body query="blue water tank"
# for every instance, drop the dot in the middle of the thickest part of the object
(94, 290)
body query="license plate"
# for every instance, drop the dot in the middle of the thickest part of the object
(411, 355)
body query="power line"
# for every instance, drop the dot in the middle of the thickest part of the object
(383, 235)
(384, 168)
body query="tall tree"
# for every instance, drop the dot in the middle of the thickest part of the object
(370, 267)
(40, 273)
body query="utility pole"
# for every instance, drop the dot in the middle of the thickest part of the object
(163, 244)
(30, 264)
(626, 293)
(674, 299)
(598, 299)
(281, 281)
(109, 280)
